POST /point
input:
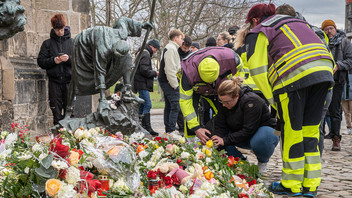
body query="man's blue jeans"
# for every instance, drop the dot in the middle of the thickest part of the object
(147, 105)
(262, 143)
(172, 106)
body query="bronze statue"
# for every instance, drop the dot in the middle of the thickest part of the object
(100, 57)
(12, 18)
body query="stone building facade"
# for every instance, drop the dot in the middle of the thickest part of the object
(23, 85)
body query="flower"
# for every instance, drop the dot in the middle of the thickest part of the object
(4, 134)
(120, 186)
(185, 155)
(182, 140)
(58, 164)
(140, 148)
(209, 144)
(79, 134)
(57, 147)
(208, 152)
(200, 155)
(152, 174)
(37, 147)
(74, 158)
(72, 175)
(143, 154)
(25, 156)
(87, 180)
(42, 156)
(52, 187)
(170, 148)
(67, 191)
(183, 189)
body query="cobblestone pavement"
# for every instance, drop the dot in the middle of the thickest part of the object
(336, 166)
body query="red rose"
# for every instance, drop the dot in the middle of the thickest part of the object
(152, 174)
(252, 182)
(179, 161)
(241, 176)
(57, 147)
(175, 179)
(237, 159)
(242, 195)
(79, 151)
(168, 182)
(161, 175)
(93, 184)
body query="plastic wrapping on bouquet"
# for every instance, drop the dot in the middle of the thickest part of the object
(104, 180)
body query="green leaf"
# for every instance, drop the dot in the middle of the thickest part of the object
(46, 173)
(38, 187)
(46, 162)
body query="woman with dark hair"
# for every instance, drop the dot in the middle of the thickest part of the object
(55, 57)
(244, 121)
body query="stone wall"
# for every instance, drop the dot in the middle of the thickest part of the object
(29, 104)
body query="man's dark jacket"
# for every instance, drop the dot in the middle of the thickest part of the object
(145, 74)
(59, 73)
(244, 119)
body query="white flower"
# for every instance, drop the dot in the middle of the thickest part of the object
(86, 134)
(37, 147)
(150, 164)
(182, 140)
(143, 154)
(42, 156)
(136, 137)
(26, 170)
(87, 164)
(58, 164)
(223, 195)
(10, 139)
(72, 175)
(93, 132)
(79, 134)
(25, 156)
(185, 155)
(4, 134)
(183, 189)
(208, 160)
(5, 171)
(121, 185)
(67, 191)
(4, 154)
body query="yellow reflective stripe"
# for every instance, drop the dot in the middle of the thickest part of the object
(313, 159)
(312, 174)
(185, 97)
(229, 77)
(191, 116)
(294, 165)
(212, 105)
(304, 70)
(250, 85)
(259, 70)
(286, 176)
(295, 52)
(290, 35)
(292, 63)
(246, 70)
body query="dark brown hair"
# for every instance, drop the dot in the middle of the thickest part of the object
(286, 9)
(58, 21)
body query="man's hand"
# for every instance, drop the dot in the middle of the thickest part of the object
(336, 68)
(202, 135)
(57, 60)
(218, 140)
(64, 57)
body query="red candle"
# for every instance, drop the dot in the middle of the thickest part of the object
(104, 180)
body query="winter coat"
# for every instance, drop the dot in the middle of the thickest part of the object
(59, 73)
(347, 89)
(183, 54)
(341, 49)
(244, 119)
(145, 74)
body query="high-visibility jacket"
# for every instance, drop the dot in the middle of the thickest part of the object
(282, 51)
(244, 70)
(191, 83)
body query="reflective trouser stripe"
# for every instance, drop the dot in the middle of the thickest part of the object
(212, 105)
(305, 168)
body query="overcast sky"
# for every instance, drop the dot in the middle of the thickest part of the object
(316, 11)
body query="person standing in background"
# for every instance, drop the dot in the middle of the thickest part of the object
(55, 57)
(169, 65)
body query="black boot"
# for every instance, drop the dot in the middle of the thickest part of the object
(147, 126)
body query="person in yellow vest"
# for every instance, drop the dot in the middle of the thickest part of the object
(294, 70)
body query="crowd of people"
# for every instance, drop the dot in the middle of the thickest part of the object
(276, 73)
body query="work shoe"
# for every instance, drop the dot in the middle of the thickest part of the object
(262, 167)
(336, 144)
(277, 188)
(307, 193)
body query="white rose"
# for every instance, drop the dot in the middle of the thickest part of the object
(67, 191)
(72, 175)
(185, 155)
(4, 134)
(86, 134)
(182, 140)
(79, 134)
(121, 185)
(26, 170)
(208, 160)
(183, 189)
(93, 131)
(150, 164)
(10, 139)
(143, 154)
(57, 164)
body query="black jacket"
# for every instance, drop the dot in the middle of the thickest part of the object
(60, 73)
(183, 54)
(145, 74)
(244, 119)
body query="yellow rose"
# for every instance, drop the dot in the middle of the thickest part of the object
(156, 146)
(209, 144)
(208, 152)
(74, 158)
(52, 187)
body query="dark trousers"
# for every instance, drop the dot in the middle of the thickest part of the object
(58, 100)
(335, 110)
(172, 106)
